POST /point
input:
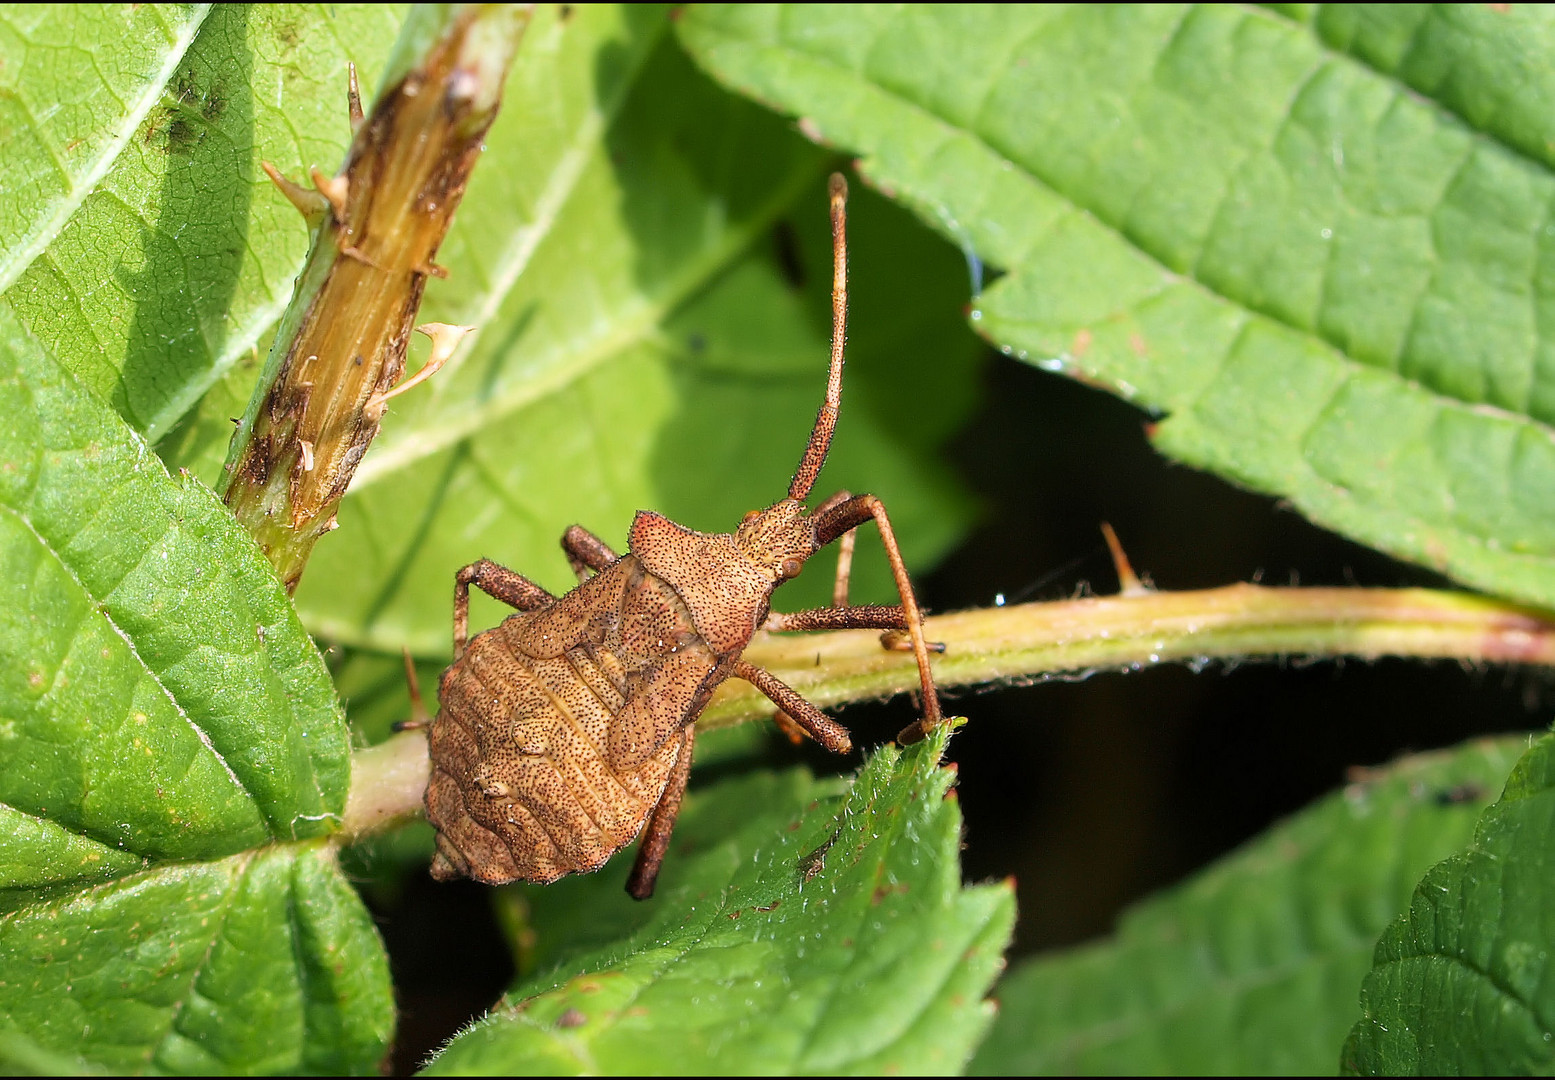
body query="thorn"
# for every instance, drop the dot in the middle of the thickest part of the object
(1128, 582)
(351, 251)
(432, 269)
(331, 525)
(354, 98)
(307, 454)
(418, 709)
(336, 189)
(310, 204)
(445, 342)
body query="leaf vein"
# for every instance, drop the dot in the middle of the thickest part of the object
(100, 607)
(44, 233)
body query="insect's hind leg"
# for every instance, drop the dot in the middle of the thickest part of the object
(586, 552)
(498, 582)
(656, 836)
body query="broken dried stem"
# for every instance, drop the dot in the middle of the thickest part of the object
(341, 345)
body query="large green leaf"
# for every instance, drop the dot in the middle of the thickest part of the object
(1333, 286)
(264, 962)
(787, 936)
(640, 344)
(75, 84)
(158, 697)
(171, 257)
(1463, 983)
(1251, 967)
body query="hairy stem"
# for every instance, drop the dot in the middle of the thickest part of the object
(1033, 642)
(1064, 639)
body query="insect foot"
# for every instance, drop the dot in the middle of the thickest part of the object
(567, 730)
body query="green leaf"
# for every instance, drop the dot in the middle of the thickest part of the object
(1249, 968)
(1329, 284)
(173, 257)
(1462, 983)
(265, 962)
(640, 345)
(784, 938)
(1485, 64)
(158, 697)
(75, 85)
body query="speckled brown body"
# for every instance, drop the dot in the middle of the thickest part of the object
(568, 730)
(554, 739)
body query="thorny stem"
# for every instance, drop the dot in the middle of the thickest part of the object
(378, 224)
(1065, 639)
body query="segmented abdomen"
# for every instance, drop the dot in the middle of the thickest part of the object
(527, 781)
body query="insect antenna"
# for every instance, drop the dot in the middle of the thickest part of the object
(826, 420)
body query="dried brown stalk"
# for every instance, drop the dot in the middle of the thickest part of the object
(341, 347)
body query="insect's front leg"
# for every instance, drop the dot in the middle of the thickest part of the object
(498, 582)
(868, 617)
(587, 553)
(839, 519)
(845, 543)
(887, 617)
(656, 836)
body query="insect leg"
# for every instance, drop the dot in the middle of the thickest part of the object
(498, 582)
(656, 837)
(820, 727)
(839, 591)
(860, 617)
(586, 552)
(418, 710)
(887, 617)
(849, 515)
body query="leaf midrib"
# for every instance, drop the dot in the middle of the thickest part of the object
(47, 231)
(100, 608)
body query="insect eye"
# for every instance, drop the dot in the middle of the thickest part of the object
(750, 517)
(791, 568)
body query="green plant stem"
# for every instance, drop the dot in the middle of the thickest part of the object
(1069, 638)
(1066, 639)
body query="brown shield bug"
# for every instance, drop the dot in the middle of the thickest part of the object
(566, 728)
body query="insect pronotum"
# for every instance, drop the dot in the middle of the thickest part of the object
(567, 728)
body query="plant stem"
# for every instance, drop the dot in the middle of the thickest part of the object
(1066, 639)
(341, 344)
(1069, 638)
